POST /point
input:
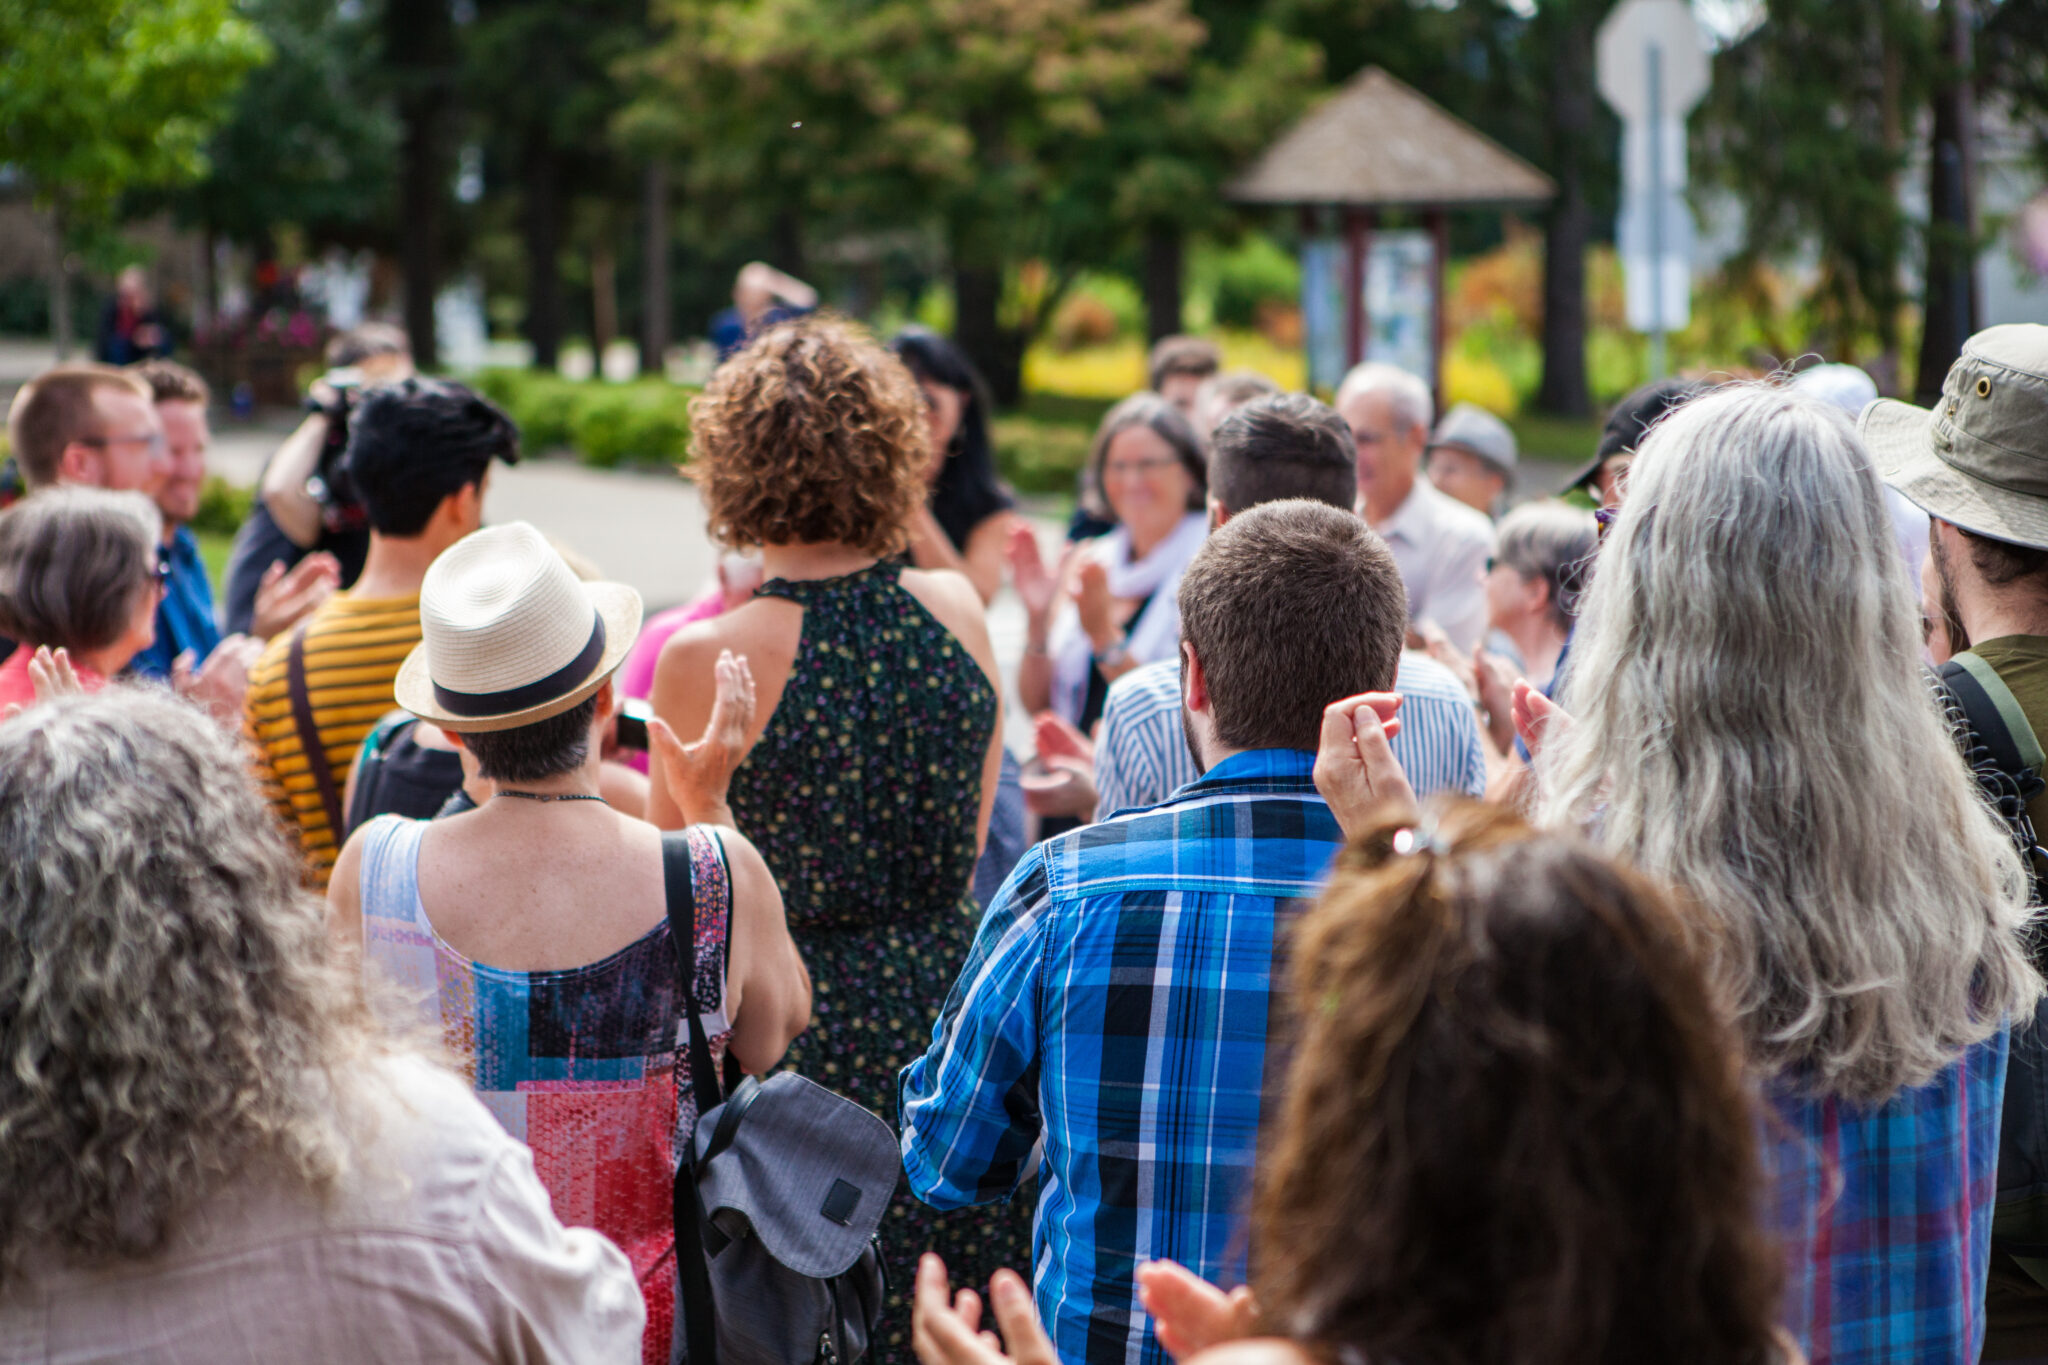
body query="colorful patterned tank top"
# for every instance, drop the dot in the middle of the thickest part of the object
(580, 1064)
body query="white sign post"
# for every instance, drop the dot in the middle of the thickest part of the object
(1652, 68)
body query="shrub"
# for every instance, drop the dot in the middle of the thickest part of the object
(1250, 278)
(645, 421)
(222, 507)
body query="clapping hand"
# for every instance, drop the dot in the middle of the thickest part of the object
(283, 596)
(1537, 717)
(1190, 1314)
(1035, 584)
(222, 682)
(698, 775)
(1093, 603)
(1356, 771)
(51, 675)
(945, 1328)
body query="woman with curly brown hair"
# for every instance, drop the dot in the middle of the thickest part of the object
(1514, 1131)
(872, 771)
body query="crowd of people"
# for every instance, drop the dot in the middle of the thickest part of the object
(1429, 927)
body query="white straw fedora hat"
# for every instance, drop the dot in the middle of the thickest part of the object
(510, 635)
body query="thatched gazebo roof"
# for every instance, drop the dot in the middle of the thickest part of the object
(1379, 144)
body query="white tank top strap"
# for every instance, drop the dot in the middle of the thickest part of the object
(390, 886)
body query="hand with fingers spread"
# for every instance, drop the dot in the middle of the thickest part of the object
(1356, 770)
(1190, 1314)
(222, 682)
(284, 597)
(1057, 738)
(698, 775)
(1036, 585)
(945, 1328)
(1537, 717)
(51, 674)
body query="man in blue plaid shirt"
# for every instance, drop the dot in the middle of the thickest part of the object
(1119, 996)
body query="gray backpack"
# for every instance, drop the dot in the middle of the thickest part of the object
(777, 1203)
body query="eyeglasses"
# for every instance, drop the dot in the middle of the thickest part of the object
(1137, 469)
(155, 444)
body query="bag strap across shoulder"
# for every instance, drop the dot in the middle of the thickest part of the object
(309, 733)
(1986, 699)
(693, 1278)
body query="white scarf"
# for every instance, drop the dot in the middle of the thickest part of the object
(1153, 636)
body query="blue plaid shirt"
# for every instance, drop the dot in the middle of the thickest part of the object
(1117, 1002)
(1886, 1214)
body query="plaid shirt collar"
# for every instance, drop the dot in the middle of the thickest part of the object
(1254, 772)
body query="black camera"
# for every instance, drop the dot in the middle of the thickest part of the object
(341, 510)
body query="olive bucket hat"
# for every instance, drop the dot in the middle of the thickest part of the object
(1980, 459)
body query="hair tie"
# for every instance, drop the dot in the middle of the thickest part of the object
(1422, 838)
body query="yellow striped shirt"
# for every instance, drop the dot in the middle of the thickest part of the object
(354, 646)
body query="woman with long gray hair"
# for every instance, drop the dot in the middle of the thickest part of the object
(208, 1151)
(1748, 723)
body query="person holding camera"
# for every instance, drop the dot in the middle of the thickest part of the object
(305, 504)
(419, 453)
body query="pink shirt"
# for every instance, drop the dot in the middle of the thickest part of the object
(17, 690)
(636, 675)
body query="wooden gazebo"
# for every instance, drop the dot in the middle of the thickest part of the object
(1379, 145)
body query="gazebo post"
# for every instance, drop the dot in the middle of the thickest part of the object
(1440, 254)
(1358, 229)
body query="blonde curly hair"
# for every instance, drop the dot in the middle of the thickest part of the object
(814, 434)
(170, 1007)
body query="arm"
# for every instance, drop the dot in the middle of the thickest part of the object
(549, 1292)
(969, 1107)
(766, 986)
(1039, 589)
(344, 900)
(284, 481)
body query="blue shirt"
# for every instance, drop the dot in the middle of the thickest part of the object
(1118, 1002)
(1143, 754)
(1885, 1213)
(184, 619)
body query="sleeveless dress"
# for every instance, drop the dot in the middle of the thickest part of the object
(579, 1064)
(862, 795)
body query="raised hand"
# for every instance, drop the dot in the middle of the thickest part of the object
(1036, 585)
(1190, 1314)
(283, 598)
(222, 681)
(1495, 689)
(1537, 717)
(945, 1329)
(1057, 738)
(1356, 771)
(1092, 601)
(698, 775)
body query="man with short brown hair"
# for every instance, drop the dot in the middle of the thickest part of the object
(1116, 1002)
(88, 424)
(1177, 368)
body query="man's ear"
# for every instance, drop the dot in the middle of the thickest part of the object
(1194, 684)
(80, 463)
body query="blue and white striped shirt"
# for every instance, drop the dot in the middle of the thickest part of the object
(1144, 755)
(1117, 1002)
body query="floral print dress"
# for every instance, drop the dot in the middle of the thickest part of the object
(862, 795)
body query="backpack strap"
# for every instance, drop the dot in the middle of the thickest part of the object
(693, 1278)
(309, 734)
(1995, 714)
(2006, 758)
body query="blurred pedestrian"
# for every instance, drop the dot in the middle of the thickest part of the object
(419, 455)
(131, 327)
(1223, 394)
(1440, 544)
(1471, 456)
(78, 573)
(212, 1154)
(1604, 478)
(966, 522)
(877, 743)
(1177, 368)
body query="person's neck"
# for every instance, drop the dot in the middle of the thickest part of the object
(580, 781)
(1386, 500)
(171, 529)
(800, 562)
(1145, 543)
(1991, 613)
(105, 662)
(396, 565)
(1540, 643)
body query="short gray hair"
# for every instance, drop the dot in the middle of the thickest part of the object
(1410, 397)
(72, 561)
(1751, 725)
(1553, 541)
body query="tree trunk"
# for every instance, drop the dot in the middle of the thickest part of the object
(419, 43)
(60, 285)
(654, 307)
(1563, 390)
(1949, 308)
(543, 223)
(1163, 244)
(604, 299)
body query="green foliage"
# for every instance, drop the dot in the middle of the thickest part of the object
(104, 95)
(1240, 280)
(1042, 447)
(646, 421)
(308, 140)
(222, 507)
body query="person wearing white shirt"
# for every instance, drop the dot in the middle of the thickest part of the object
(1439, 544)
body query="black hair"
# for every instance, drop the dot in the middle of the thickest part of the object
(536, 752)
(1285, 445)
(967, 491)
(413, 443)
(1634, 415)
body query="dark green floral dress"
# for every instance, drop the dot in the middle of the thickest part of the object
(863, 794)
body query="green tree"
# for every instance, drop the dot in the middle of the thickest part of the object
(102, 96)
(979, 117)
